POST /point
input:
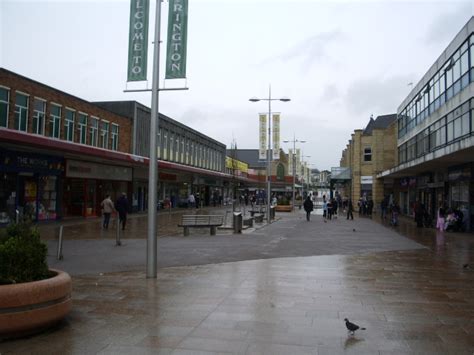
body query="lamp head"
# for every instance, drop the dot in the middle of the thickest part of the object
(254, 99)
(286, 141)
(285, 99)
(302, 141)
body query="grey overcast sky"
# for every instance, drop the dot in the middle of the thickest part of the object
(338, 61)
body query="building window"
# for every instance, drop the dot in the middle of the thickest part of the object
(104, 135)
(82, 128)
(69, 125)
(55, 121)
(115, 136)
(4, 103)
(165, 145)
(94, 131)
(21, 112)
(158, 146)
(39, 114)
(367, 154)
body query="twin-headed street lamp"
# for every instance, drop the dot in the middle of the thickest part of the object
(293, 159)
(269, 152)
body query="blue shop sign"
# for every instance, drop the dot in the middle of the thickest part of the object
(27, 162)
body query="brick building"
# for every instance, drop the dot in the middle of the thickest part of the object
(60, 155)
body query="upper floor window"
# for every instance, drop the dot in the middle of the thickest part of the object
(39, 114)
(115, 136)
(4, 103)
(55, 121)
(69, 125)
(104, 135)
(368, 154)
(21, 112)
(82, 128)
(94, 131)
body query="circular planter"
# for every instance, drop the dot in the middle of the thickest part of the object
(32, 306)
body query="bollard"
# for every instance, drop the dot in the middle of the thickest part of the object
(117, 235)
(59, 255)
(17, 216)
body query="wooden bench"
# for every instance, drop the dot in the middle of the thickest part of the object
(201, 221)
(248, 221)
(254, 212)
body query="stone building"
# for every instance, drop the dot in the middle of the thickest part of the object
(369, 152)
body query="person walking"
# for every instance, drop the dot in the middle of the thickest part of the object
(350, 208)
(441, 220)
(325, 208)
(191, 200)
(122, 208)
(308, 207)
(107, 208)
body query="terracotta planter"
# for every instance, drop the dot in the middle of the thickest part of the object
(283, 208)
(32, 306)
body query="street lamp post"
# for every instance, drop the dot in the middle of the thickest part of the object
(304, 173)
(269, 152)
(294, 141)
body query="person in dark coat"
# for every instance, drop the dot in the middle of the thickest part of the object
(308, 207)
(350, 208)
(122, 208)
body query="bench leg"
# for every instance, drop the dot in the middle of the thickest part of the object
(186, 231)
(213, 230)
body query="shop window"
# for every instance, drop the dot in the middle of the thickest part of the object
(82, 128)
(4, 103)
(69, 125)
(115, 136)
(21, 112)
(55, 121)
(7, 197)
(39, 114)
(94, 131)
(367, 154)
(47, 198)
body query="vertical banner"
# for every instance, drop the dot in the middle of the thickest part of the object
(262, 151)
(177, 39)
(138, 40)
(298, 162)
(290, 161)
(276, 136)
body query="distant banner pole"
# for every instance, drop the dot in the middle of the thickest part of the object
(276, 136)
(262, 151)
(138, 40)
(177, 39)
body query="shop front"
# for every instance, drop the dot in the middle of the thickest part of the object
(86, 185)
(460, 185)
(29, 184)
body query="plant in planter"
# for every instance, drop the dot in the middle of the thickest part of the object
(22, 255)
(32, 296)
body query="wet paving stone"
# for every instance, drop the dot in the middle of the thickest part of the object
(412, 300)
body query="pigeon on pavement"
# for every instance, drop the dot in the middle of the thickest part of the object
(351, 327)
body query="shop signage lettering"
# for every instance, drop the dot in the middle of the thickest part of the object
(79, 169)
(27, 162)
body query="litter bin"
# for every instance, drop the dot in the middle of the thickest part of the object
(272, 212)
(237, 222)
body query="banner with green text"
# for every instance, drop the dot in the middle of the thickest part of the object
(276, 136)
(262, 134)
(138, 40)
(177, 39)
